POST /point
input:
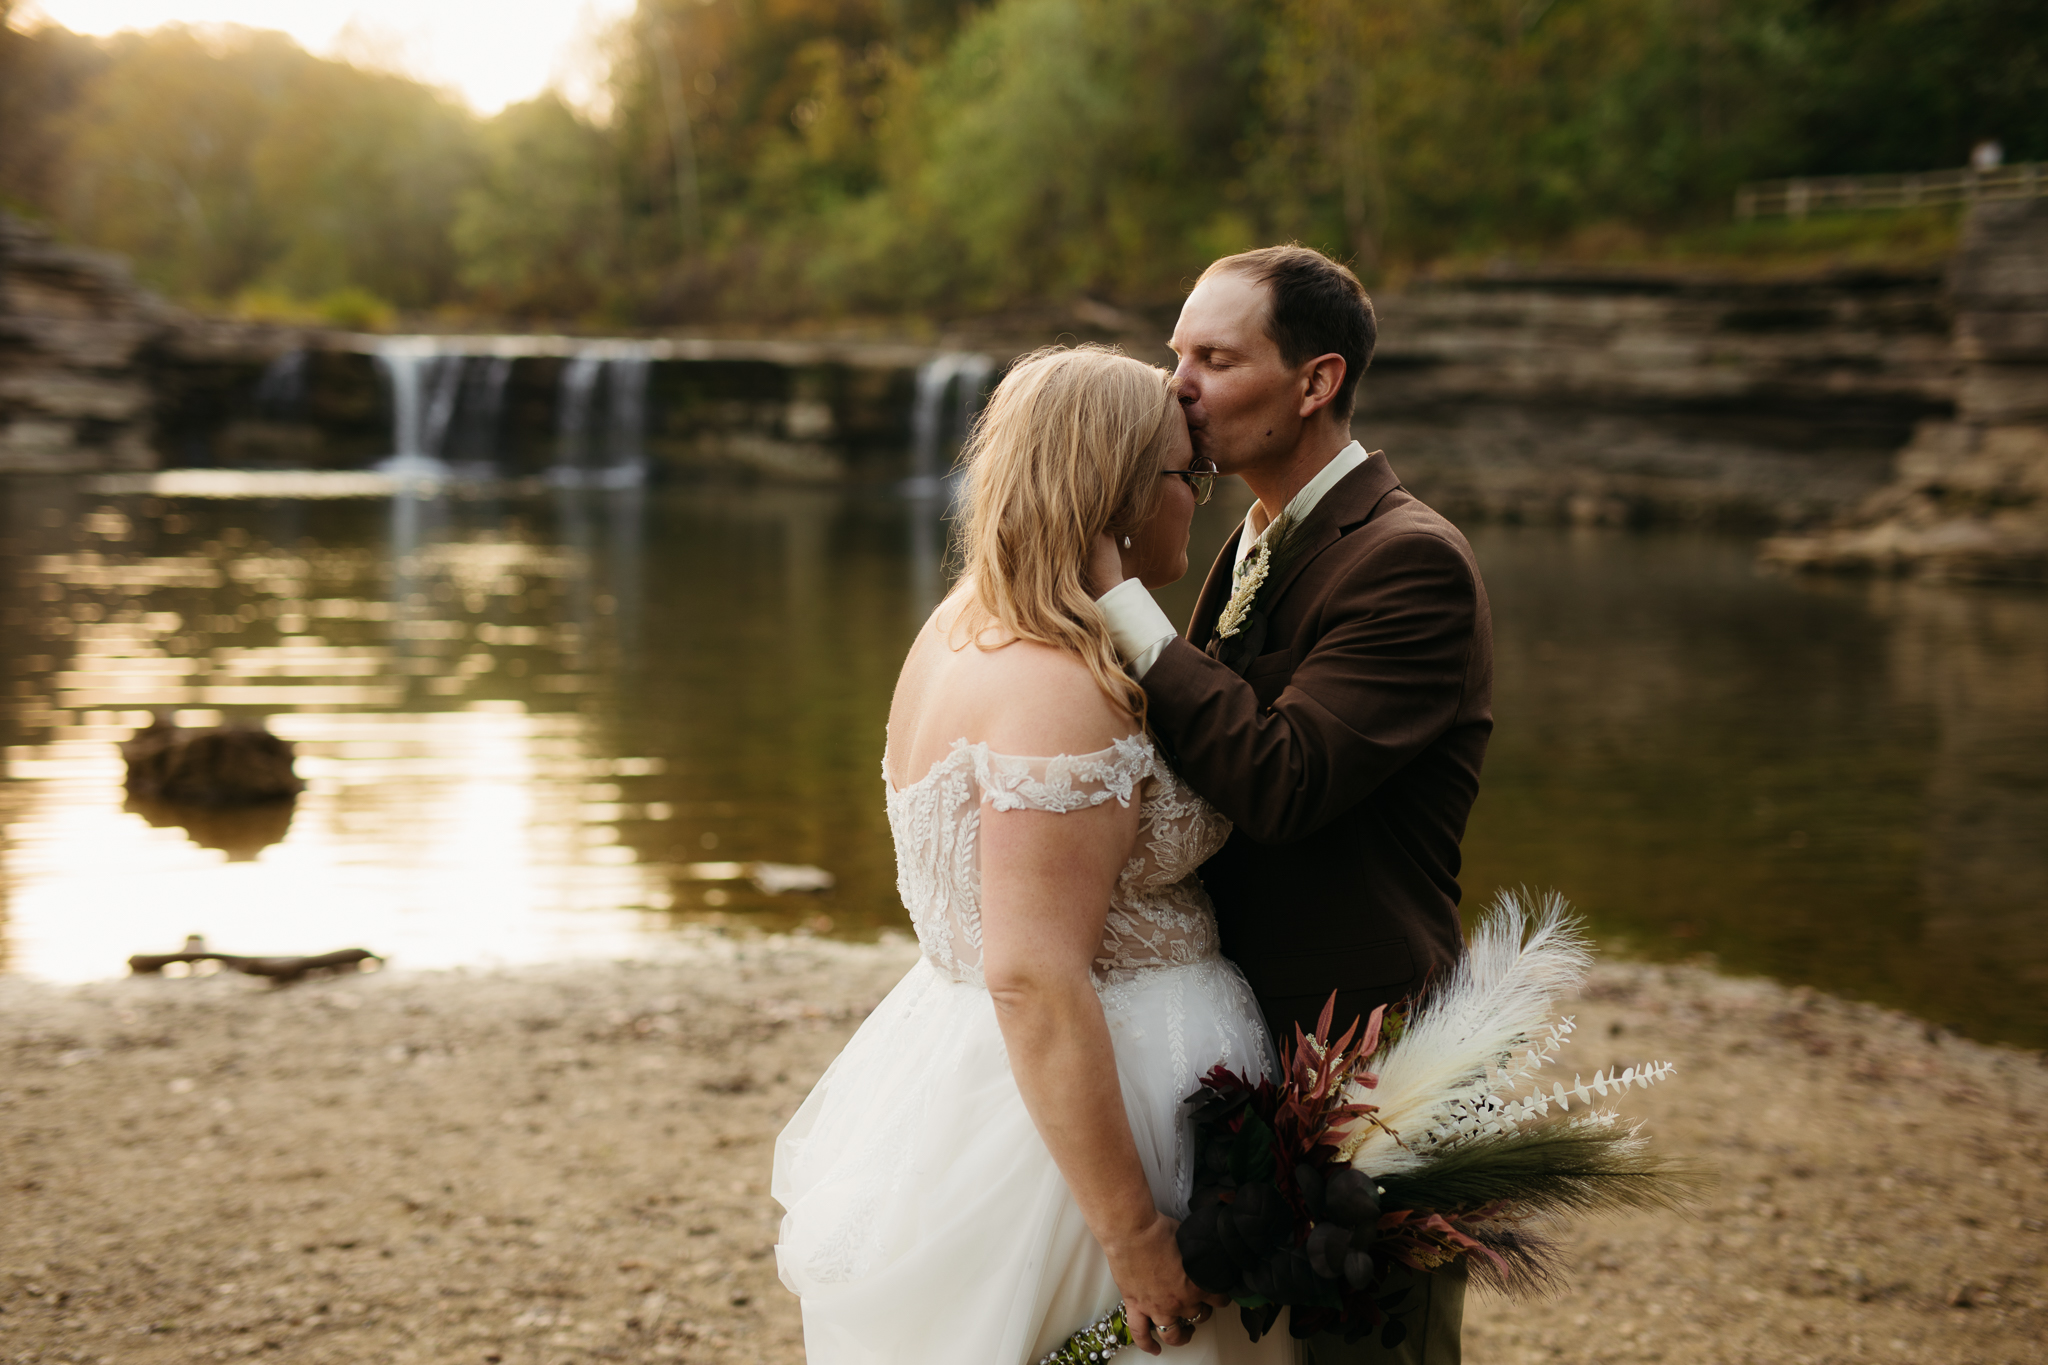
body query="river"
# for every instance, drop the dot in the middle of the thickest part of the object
(534, 726)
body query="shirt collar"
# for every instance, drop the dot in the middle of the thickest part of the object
(1304, 502)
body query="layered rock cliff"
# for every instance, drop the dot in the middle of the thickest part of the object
(73, 330)
(1908, 410)
(1970, 496)
(1622, 397)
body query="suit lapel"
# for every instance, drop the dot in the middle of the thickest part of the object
(1352, 502)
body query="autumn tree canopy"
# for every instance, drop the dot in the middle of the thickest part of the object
(766, 159)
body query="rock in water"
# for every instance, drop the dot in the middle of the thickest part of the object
(227, 766)
(241, 832)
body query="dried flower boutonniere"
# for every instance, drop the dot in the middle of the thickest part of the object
(1267, 562)
(1245, 581)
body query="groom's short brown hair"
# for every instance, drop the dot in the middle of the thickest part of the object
(1316, 307)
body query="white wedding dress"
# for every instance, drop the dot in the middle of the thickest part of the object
(926, 1220)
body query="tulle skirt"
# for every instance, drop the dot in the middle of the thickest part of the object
(926, 1220)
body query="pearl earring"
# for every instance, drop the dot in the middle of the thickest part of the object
(1127, 542)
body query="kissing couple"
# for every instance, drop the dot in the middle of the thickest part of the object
(1133, 855)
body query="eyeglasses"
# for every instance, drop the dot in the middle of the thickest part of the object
(1202, 481)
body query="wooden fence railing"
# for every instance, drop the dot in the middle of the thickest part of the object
(1838, 193)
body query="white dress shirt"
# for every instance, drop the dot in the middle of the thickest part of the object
(1137, 626)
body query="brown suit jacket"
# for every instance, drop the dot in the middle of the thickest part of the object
(1347, 754)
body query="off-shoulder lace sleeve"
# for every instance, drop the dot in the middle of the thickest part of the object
(1066, 782)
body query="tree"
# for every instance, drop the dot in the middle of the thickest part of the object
(538, 232)
(228, 159)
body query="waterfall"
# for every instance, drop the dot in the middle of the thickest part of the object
(400, 359)
(448, 399)
(602, 446)
(441, 385)
(936, 424)
(626, 424)
(426, 381)
(572, 417)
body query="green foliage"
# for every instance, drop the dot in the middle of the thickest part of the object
(1100, 1340)
(39, 74)
(1913, 84)
(538, 229)
(222, 160)
(1924, 237)
(767, 159)
(1062, 152)
(357, 309)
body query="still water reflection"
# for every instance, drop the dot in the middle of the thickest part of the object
(522, 721)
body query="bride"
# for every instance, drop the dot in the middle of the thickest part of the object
(998, 1157)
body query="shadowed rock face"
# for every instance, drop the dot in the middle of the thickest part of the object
(1970, 499)
(1870, 347)
(73, 325)
(1620, 398)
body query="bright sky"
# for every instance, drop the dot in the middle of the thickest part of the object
(491, 52)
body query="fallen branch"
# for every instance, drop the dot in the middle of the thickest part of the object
(281, 971)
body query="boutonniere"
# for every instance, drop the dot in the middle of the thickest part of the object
(1245, 581)
(1268, 560)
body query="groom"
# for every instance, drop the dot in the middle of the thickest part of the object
(1333, 695)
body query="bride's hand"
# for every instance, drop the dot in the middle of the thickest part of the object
(1156, 1287)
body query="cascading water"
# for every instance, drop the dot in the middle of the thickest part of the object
(934, 422)
(425, 380)
(626, 418)
(401, 359)
(441, 386)
(602, 446)
(572, 417)
(935, 425)
(448, 403)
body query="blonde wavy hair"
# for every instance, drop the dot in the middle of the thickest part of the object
(1069, 446)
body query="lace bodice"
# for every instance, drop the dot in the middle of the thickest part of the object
(1159, 914)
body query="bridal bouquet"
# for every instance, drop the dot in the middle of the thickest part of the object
(1415, 1142)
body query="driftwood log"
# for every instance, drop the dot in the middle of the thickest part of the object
(281, 971)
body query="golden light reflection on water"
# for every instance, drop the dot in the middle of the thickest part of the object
(461, 807)
(446, 839)
(532, 726)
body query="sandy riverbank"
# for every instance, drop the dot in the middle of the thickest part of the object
(570, 1164)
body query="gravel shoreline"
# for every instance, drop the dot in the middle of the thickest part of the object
(570, 1164)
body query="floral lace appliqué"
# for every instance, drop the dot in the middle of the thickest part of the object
(1158, 915)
